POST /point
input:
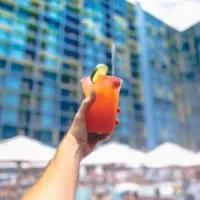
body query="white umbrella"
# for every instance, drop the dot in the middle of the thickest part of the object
(127, 187)
(25, 149)
(114, 153)
(194, 161)
(168, 154)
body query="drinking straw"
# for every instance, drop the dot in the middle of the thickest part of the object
(113, 58)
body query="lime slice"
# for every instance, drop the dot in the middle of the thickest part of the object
(100, 70)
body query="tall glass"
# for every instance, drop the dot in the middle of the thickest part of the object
(102, 115)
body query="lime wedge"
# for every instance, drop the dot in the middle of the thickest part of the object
(100, 70)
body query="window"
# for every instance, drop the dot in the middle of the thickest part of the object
(90, 63)
(65, 92)
(13, 83)
(48, 90)
(9, 117)
(52, 38)
(53, 15)
(9, 132)
(90, 52)
(16, 52)
(3, 36)
(63, 121)
(11, 100)
(47, 106)
(66, 106)
(49, 76)
(16, 67)
(47, 121)
(73, 54)
(2, 64)
(45, 137)
(19, 40)
(50, 63)
(51, 50)
(1, 81)
(4, 21)
(19, 26)
(26, 3)
(3, 50)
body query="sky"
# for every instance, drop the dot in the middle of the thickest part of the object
(179, 14)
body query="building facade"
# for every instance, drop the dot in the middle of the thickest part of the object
(159, 103)
(45, 49)
(185, 56)
(40, 71)
(47, 46)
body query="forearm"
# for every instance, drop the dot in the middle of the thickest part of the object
(60, 178)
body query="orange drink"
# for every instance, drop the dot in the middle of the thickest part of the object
(102, 115)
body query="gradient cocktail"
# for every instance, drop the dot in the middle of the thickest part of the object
(102, 115)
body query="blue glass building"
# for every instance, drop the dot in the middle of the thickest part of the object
(45, 48)
(170, 76)
(39, 68)
(159, 102)
(185, 56)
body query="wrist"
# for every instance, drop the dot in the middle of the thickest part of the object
(70, 141)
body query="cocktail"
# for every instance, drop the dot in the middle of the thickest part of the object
(102, 115)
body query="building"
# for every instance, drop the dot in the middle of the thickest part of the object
(159, 103)
(139, 130)
(185, 54)
(39, 70)
(45, 49)
(47, 46)
(169, 55)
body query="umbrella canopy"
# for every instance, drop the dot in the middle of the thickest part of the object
(127, 187)
(24, 149)
(115, 153)
(168, 154)
(195, 161)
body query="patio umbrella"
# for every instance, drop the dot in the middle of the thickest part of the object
(25, 152)
(114, 153)
(25, 149)
(168, 154)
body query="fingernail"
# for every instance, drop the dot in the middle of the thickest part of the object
(118, 110)
(117, 123)
(116, 83)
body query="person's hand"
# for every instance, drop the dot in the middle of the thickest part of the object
(78, 129)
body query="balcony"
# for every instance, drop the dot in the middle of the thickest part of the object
(47, 29)
(56, 7)
(69, 86)
(72, 36)
(5, 27)
(74, 7)
(67, 113)
(7, 15)
(69, 72)
(72, 62)
(90, 13)
(27, 7)
(48, 59)
(10, 2)
(53, 16)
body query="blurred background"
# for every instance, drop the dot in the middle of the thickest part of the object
(46, 47)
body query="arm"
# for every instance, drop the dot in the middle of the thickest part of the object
(60, 177)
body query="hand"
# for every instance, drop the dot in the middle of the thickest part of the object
(78, 129)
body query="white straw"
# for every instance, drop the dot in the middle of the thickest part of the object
(113, 58)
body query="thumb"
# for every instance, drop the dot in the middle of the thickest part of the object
(86, 104)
